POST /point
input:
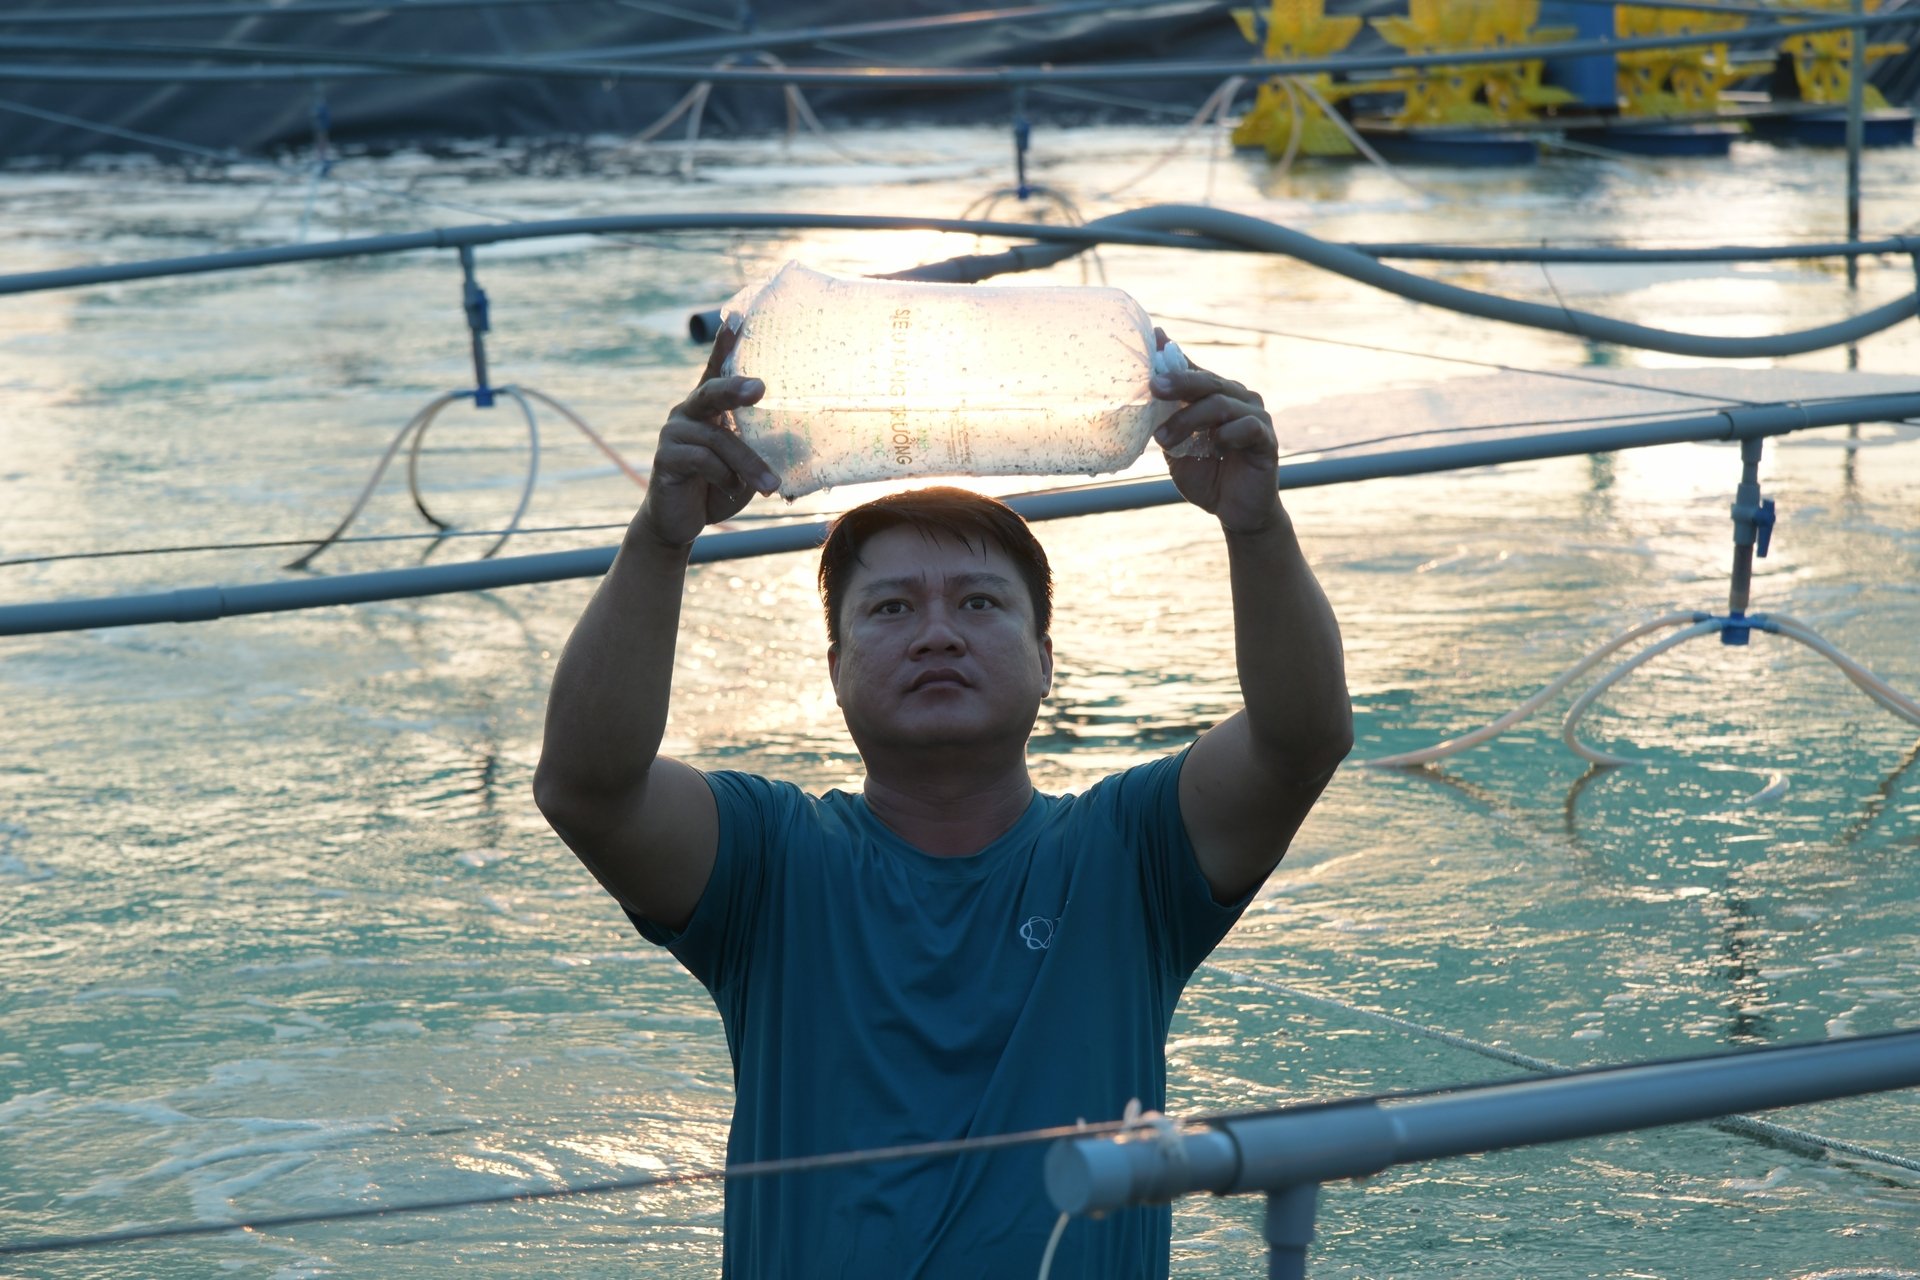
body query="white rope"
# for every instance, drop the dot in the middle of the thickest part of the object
(1598, 153)
(1215, 105)
(1745, 1125)
(1364, 147)
(696, 94)
(797, 103)
(1294, 134)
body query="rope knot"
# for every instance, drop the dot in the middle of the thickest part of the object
(1157, 1127)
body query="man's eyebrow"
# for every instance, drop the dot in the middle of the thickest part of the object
(977, 578)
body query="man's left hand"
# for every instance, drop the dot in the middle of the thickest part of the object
(1237, 482)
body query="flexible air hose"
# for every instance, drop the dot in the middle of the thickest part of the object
(1613, 677)
(1882, 693)
(526, 489)
(386, 459)
(1255, 233)
(416, 428)
(1868, 683)
(1466, 741)
(628, 469)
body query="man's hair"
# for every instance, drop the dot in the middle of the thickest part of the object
(971, 518)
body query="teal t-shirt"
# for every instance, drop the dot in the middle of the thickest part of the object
(875, 995)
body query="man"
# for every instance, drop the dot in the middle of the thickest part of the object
(946, 954)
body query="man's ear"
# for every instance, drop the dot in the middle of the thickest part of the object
(1046, 663)
(833, 667)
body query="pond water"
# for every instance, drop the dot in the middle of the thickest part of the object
(280, 929)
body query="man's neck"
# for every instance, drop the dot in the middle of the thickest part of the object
(949, 814)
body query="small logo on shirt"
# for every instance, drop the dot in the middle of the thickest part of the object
(1037, 933)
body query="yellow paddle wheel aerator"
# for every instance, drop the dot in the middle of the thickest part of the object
(1287, 118)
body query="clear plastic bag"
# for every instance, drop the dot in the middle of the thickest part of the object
(888, 379)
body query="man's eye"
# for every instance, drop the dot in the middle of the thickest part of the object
(890, 607)
(980, 602)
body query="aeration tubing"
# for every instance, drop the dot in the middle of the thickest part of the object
(1220, 224)
(1057, 241)
(205, 603)
(1178, 226)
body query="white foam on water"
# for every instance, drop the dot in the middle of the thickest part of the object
(23, 1105)
(597, 1052)
(214, 1199)
(269, 1147)
(92, 994)
(1776, 1177)
(583, 959)
(481, 857)
(305, 965)
(395, 1027)
(21, 869)
(247, 1073)
(151, 1110)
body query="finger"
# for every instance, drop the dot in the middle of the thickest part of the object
(1194, 383)
(723, 344)
(735, 453)
(716, 396)
(1249, 434)
(1203, 415)
(691, 462)
(1160, 338)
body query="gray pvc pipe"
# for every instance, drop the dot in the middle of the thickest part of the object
(202, 604)
(1355, 1139)
(504, 232)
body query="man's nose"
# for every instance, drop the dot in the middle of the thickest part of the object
(938, 632)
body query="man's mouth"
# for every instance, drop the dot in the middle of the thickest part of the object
(940, 675)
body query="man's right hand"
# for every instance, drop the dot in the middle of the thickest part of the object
(703, 472)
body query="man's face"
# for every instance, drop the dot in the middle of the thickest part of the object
(937, 645)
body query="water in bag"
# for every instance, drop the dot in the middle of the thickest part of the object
(888, 379)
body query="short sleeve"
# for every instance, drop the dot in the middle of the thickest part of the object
(1145, 805)
(718, 940)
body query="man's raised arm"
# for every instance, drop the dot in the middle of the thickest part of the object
(646, 825)
(1250, 780)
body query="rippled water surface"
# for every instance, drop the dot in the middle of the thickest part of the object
(280, 929)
